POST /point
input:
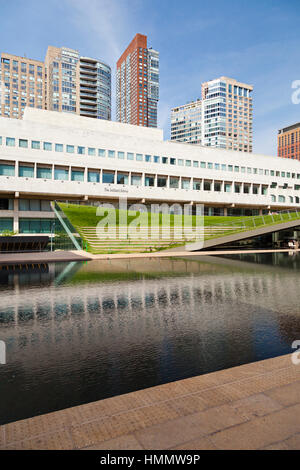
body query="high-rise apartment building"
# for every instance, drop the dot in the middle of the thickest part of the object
(62, 79)
(22, 83)
(222, 118)
(75, 84)
(137, 87)
(289, 142)
(64, 82)
(94, 90)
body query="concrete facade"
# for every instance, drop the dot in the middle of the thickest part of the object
(68, 157)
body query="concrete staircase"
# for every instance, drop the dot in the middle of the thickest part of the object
(146, 239)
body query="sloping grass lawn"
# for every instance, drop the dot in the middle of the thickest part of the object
(85, 216)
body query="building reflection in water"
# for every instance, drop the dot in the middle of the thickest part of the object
(78, 332)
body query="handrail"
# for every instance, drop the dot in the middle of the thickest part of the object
(250, 223)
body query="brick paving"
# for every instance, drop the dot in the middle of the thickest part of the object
(253, 406)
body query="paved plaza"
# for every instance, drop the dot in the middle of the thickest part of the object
(253, 406)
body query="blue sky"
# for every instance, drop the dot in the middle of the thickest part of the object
(256, 42)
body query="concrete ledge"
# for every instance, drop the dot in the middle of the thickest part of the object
(41, 257)
(253, 406)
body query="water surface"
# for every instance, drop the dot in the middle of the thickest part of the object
(79, 332)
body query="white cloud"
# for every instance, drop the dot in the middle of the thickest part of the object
(104, 23)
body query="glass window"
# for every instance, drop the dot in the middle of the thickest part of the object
(35, 144)
(161, 181)
(61, 174)
(147, 158)
(23, 143)
(10, 141)
(77, 175)
(195, 164)
(227, 187)
(93, 177)
(149, 180)
(243, 169)
(111, 154)
(197, 185)
(203, 165)
(130, 156)
(180, 162)
(80, 150)
(236, 169)
(237, 188)
(34, 205)
(121, 155)
(6, 224)
(46, 206)
(139, 157)
(101, 153)
(207, 185)
(47, 146)
(24, 205)
(172, 161)
(156, 159)
(217, 166)
(26, 171)
(91, 151)
(188, 163)
(7, 170)
(164, 160)
(281, 198)
(136, 180)
(122, 178)
(108, 177)
(45, 173)
(230, 168)
(185, 183)
(210, 165)
(70, 149)
(174, 182)
(59, 148)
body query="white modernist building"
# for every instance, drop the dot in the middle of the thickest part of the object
(50, 156)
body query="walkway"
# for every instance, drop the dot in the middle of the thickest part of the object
(253, 406)
(178, 253)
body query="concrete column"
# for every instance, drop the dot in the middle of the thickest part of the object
(225, 211)
(16, 215)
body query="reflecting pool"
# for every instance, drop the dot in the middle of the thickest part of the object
(79, 332)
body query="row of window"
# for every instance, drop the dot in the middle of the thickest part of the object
(91, 151)
(109, 177)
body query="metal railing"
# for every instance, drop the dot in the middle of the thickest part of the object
(66, 236)
(249, 223)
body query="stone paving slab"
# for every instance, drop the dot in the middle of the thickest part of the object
(253, 406)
